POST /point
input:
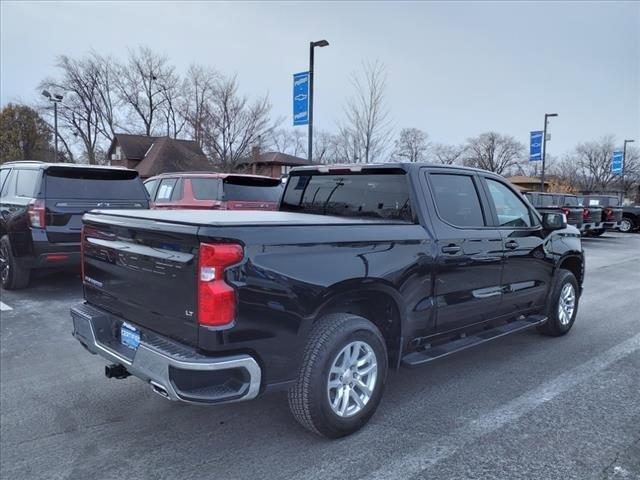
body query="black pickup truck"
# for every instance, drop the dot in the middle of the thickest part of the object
(362, 269)
(560, 203)
(611, 211)
(630, 218)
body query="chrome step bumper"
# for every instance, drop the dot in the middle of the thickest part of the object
(173, 370)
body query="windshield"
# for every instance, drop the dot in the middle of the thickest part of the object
(383, 196)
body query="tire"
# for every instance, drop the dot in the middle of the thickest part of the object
(13, 277)
(559, 322)
(331, 339)
(597, 233)
(627, 225)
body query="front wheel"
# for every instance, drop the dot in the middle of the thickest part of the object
(342, 377)
(563, 305)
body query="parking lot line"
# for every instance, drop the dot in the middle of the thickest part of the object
(434, 452)
(4, 307)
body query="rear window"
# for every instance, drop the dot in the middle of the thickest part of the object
(571, 201)
(384, 196)
(205, 188)
(547, 201)
(252, 189)
(94, 184)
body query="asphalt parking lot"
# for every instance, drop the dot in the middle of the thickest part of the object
(524, 406)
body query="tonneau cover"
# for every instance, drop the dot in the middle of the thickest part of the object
(235, 218)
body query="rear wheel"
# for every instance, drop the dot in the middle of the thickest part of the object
(12, 275)
(626, 225)
(563, 305)
(342, 377)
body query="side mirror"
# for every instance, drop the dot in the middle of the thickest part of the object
(554, 221)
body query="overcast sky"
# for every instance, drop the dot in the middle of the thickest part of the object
(455, 69)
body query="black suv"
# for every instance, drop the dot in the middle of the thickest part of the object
(41, 208)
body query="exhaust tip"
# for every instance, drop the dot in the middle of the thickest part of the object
(159, 389)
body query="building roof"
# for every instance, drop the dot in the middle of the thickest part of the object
(277, 158)
(161, 154)
(524, 179)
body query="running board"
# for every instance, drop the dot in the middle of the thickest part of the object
(462, 343)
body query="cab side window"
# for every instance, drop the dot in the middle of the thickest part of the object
(511, 210)
(457, 200)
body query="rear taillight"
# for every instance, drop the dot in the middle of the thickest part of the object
(36, 211)
(608, 213)
(565, 210)
(585, 213)
(216, 298)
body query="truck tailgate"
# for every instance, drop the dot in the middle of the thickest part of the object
(144, 271)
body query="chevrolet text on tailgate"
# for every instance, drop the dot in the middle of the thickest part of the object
(360, 270)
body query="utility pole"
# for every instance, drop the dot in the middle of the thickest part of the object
(55, 98)
(624, 161)
(312, 46)
(544, 147)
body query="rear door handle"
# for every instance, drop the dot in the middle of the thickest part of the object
(511, 245)
(451, 249)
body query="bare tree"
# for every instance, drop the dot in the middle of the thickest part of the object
(494, 152)
(447, 154)
(289, 141)
(199, 88)
(367, 116)
(592, 162)
(141, 84)
(108, 104)
(80, 112)
(323, 143)
(174, 104)
(412, 145)
(233, 124)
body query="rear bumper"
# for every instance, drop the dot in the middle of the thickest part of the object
(590, 226)
(609, 225)
(46, 254)
(173, 370)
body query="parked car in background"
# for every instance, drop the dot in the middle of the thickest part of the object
(630, 218)
(560, 202)
(363, 268)
(217, 191)
(41, 208)
(611, 211)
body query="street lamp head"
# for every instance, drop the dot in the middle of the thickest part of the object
(320, 43)
(58, 97)
(629, 141)
(552, 114)
(45, 93)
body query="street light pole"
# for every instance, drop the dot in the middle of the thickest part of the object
(56, 99)
(624, 161)
(312, 46)
(544, 147)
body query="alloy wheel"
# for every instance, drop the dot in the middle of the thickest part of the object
(566, 304)
(352, 379)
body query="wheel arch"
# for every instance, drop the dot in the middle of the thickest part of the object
(375, 300)
(575, 264)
